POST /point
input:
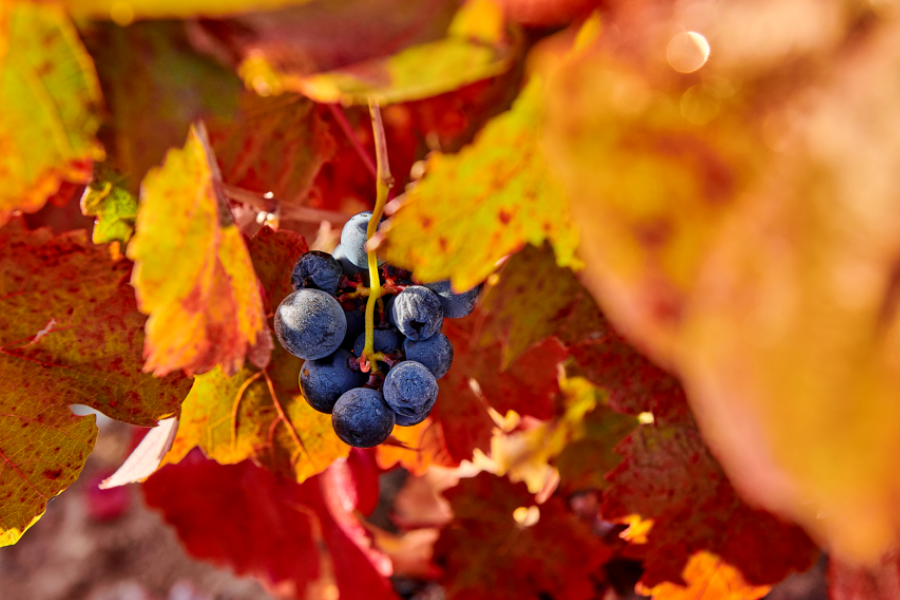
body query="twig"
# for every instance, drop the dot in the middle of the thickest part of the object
(345, 126)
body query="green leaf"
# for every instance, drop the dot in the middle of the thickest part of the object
(70, 333)
(473, 208)
(476, 48)
(115, 208)
(49, 94)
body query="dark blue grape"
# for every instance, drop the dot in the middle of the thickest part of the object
(353, 239)
(455, 306)
(361, 418)
(310, 324)
(386, 341)
(316, 270)
(356, 323)
(347, 267)
(417, 313)
(325, 380)
(436, 353)
(410, 390)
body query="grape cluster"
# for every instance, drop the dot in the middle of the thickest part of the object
(323, 322)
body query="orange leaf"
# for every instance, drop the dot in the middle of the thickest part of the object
(708, 577)
(193, 274)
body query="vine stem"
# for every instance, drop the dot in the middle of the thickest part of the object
(383, 183)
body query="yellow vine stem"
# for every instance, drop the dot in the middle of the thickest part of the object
(383, 181)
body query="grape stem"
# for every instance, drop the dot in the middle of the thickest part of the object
(383, 182)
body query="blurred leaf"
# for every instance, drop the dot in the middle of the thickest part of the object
(71, 334)
(50, 95)
(476, 48)
(755, 251)
(495, 518)
(669, 476)
(155, 86)
(273, 254)
(581, 438)
(193, 274)
(708, 577)
(114, 207)
(276, 145)
(420, 447)
(302, 541)
(473, 208)
(854, 582)
(124, 11)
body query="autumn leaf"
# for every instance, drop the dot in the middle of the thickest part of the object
(476, 47)
(50, 96)
(856, 582)
(534, 299)
(125, 12)
(668, 475)
(473, 208)
(71, 334)
(474, 383)
(708, 577)
(193, 274)
(754, 251)
(155, 86)
(544, 548)
(302, 541)
(277, 145)
(415, 448)
(260, 414)
(115, 209)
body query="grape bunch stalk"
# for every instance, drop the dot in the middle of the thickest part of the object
(367, 390)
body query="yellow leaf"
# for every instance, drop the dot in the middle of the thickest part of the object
(123, 12)
(49, 96)
(475, 207)
(476, 48)
(708, 577)
(193, 274)
(252, 415)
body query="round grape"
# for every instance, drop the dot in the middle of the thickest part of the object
(353, 239)
(362, 419)
(325, 380)
(436, 353)
(410, 390)
(455, 306)
(417, 313)
(310, 324)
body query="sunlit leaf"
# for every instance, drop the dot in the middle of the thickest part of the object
(193, 274)
(50, 96)
(708, 577)
(71, 334)
(475, 48)
(474, 207)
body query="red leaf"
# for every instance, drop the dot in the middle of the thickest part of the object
(669, 476)
(273, 254)
(298, 539)
(489, 554)
(850, 582)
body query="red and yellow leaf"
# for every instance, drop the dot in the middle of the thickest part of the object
(473, 208)
(50, 98)
(301, 541)
(193, 274)
(71, 334)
